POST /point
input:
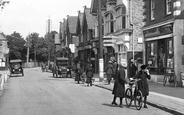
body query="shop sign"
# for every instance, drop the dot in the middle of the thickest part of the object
(166, 29)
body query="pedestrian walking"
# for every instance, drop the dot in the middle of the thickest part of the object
(109, 71)
(78, 73)
(119, 85)
(143, 86)
(89, 74)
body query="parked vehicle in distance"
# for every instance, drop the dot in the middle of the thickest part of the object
(16, 67)
(61, 67)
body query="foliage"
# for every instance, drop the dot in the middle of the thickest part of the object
(17, 49)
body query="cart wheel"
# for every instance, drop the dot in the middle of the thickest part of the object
(138, 100)
(128, 97)
(165, 80)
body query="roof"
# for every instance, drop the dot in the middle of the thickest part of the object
(72, 24)
(15, 60)
(2, 37)
(89, 18)
(80, 18)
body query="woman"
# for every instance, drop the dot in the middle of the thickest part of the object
(89, 74)
(143, 74)
(119, 85)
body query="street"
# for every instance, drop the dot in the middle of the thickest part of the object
(38, 93)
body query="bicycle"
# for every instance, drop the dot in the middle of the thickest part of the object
(137, 97)
(169, 77)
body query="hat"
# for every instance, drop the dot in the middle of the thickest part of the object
(143, 67)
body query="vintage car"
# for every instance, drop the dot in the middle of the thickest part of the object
(61, 67)
(16, 67)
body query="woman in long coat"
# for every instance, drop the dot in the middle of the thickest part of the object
(89, 74)
(143, 74)
(119, 85)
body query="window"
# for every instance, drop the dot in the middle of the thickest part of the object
(109, 23)
(168, 7)
(152, 54)
(152, 9)
(120, 18)
(170, 54)
(112, 24)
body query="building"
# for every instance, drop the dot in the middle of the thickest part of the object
(163, 33)
(122, 34)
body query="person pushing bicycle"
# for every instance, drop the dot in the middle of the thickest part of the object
(143, 86)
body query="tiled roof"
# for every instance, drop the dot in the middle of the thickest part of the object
(72, 24)
(90, 19)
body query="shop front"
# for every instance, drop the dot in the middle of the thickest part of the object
(163, 49)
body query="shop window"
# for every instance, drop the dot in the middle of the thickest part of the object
(152, 55)
(170, 54)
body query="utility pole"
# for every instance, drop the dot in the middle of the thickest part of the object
(101, 64)
(28, 44)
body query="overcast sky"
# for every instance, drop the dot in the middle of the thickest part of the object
(27, 16)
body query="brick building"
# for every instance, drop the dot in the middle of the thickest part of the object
(163, 33)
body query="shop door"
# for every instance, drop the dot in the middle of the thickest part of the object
(161, 56)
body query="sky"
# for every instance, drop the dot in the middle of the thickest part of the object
(28, 16)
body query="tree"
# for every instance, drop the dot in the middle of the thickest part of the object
(2, 3)
(49, 40)
(17, 48)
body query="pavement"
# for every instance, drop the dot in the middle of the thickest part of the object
(168, 98)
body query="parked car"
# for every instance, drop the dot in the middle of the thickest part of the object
(61, 67)
(16, 67)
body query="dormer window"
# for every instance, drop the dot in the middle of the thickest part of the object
(168, 7)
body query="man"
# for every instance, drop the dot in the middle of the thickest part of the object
(109, 71)
(132, 69)
(143, 74)
(119, 85)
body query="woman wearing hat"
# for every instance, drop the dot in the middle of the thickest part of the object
(119, 85)
(143, 74)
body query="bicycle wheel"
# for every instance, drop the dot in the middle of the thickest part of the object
(165, 80)
(128, 97)
(138, 100)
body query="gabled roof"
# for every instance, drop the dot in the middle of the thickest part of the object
(80, 18)
(94, 5)
(72, 24)
(89, 18)
(2, 37)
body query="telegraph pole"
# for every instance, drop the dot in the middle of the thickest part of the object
(101, 66)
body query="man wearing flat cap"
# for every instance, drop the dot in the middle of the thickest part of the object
(143, 75)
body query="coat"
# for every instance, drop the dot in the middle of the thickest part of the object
(89, 74)
(143, 83)
(132, 70)
(119, 84)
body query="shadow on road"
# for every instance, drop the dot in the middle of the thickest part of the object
(109, 105)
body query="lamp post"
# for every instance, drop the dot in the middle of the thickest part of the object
(100, 41)
(133, 52)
